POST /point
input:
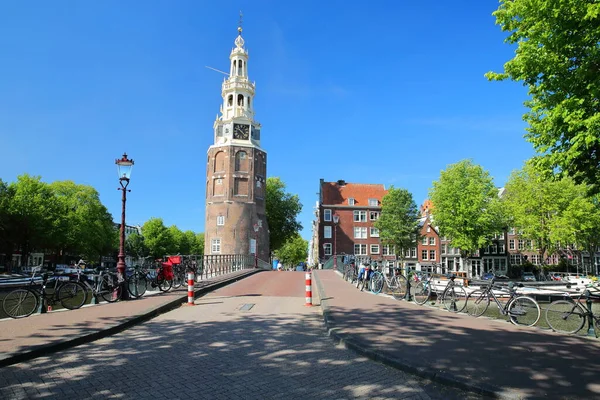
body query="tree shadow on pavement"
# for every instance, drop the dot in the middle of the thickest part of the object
(233, 355)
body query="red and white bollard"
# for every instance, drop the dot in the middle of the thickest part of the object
(308, 290)
(190, 277)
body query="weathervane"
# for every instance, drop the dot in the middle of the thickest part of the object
(240, 23)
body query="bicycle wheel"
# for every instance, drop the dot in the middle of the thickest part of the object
(478, 302)
(454, 299)
(163, 284)
(565, 316)
(71, 295)
(377, 281)
(137, 285)
(399, 287)
(345, 275)
(421, 292)
(110, 290)
(20, 303)
(524, 311)
(178, 278)
(351, 275)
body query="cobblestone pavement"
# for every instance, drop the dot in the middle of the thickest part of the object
(231, 345)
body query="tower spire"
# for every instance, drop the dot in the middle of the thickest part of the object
(240, 23)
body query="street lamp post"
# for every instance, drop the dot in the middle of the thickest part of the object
(336, 220)
(256, 228)
(124, 167)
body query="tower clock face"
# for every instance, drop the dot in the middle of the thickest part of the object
(241, 131)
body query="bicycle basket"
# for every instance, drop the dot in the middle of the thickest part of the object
(167, 271)
(174, 259)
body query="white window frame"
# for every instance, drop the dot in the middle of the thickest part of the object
(432, 253)
(424, 254)
(327, 232)
(511, 244)
(432, 240)
(360, 232)
(351, 201)
(220, 220)
(374, 249)
(360, 216)
(374, 215)
(373, 232)
(362, 249)
(327, 215)
(215, 246)
(413, 252)
(327, 249)
(373, 202)
(424, 240)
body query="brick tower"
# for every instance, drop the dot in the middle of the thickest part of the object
(236, 169)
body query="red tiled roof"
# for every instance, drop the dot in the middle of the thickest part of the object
(335, 194)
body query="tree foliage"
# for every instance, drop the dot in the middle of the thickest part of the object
(466, 206)
(538, 208)
(135, 245)
(293, 251)
(558, 59)
(399, 220)
(158, 238)
(282, 210)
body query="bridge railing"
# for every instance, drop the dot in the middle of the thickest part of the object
(208, 266)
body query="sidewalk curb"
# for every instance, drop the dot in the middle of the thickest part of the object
(429, 373)
(43, 350)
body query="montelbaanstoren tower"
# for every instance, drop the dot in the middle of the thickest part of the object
(236, 169)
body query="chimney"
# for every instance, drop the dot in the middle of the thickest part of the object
(341, 182)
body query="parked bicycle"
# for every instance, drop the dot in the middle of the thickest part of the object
(396, 285)
(23, 302)
(105, 284)
(521, 309)
(150, 274)
(350, 272)
(364, 276)
(453, 297)
(569, 315)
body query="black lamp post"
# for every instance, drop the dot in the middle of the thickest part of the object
(336, 220)
(124, 167)
(256, 228)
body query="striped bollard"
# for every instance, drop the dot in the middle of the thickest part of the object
(190, 277)
(308, 290)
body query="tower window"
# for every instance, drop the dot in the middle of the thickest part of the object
(241, 161)
(241, 187)
(220, 220)
(230, 100)
(219, 162)
(215, 246)
(240, 100)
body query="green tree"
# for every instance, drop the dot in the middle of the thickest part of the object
(84, 227)
(466, 206)
(398, 223)
(35, 210)
(182, 245)
(536, 206)
(158, 238)
(197, 244)
(293, 251)
(7, 221)
(282, 210)
(135, 245)
(558, 60)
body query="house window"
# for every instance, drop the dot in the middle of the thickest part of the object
(373, 215)
(432, 255)
(220, 220)
(373, 202)
(521, 244)
(327, 249)
(374, 232)
(327, 232)
(444, 248)
(360, 249)
(424, 240)
(374, 249)
(486, 250)
(360, 216)
(360, 232)
(515, 259)
(387, 250)
(501, 248)
(511, 231)
(428, 228)
(528, 244)
(351, 201)
(215, 246)
(327, 215)
(511, 244)
(413, 252)
(424, 254)
(494, 249)
(432, 241)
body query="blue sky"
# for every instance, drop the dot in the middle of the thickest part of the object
(387, 92)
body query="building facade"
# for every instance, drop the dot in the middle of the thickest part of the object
(236, 169)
